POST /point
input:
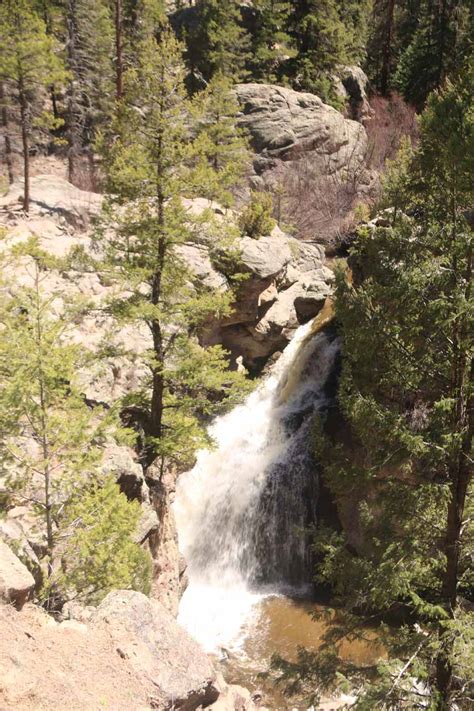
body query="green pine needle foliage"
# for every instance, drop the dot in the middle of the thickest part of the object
(256, 219)
(98, 553)
(402, 465)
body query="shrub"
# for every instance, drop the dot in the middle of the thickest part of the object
(256, 219)
(99, 553)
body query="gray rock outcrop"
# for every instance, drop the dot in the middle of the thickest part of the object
(353, 85)
(285, 124)
(159, 650)
(267, 256)
(55, 196)
(16, 581)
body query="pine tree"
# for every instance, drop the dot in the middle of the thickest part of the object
(381, 58)
(152, 162)
(90, 53)
(29, 65)
(355, 16)
(320, 42)
(217, 44)
(413, 46)
(49, 439)
(256, 219)
(135, 20)
(407, 393)
(219, 144)
(439, 44)
(98, 553)
(271, 43)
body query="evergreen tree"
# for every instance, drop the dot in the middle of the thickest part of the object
(413, 46)
(140, 19)
(355, 16)
(219, 144)
(271, 43)
(381, 58)
(98, 553)
(90, 53)
(50, 441)
(320, 42)
(217, 44)
(152, 163)
(28, 66)
(440, 43)
(256, 219)
(407, 393)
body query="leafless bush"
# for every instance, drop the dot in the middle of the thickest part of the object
(392, 119)
(322, 205)
(319, 206)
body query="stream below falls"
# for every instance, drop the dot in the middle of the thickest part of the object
(243, 514)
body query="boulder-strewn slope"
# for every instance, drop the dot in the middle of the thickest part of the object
(265, 313)
(286, 284)
(129, 654)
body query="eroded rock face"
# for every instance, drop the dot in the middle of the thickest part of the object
(159, 649)
(353, 84)
(285, 124)
(286, 284)
(16, 582)
(51, 195)
(128, 654)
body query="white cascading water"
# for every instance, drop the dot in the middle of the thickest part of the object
(241, 510)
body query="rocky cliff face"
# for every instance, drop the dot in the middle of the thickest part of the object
(129, 653)
(310, 156)
(285, 124)
(285, 284)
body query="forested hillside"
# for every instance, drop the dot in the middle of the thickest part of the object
(188, 189)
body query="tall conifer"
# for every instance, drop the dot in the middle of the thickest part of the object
(29, 64)
(152, 163)
(407, 326)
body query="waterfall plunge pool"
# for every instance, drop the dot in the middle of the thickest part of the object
(240, 513)
(242, 630)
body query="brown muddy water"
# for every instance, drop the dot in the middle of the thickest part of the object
(280, 626)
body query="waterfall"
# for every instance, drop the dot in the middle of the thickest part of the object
(241, 510)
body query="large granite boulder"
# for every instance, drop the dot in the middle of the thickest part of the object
(159, 650)
(16, 581)
(54, 196)
(285, 124)
(265, 257)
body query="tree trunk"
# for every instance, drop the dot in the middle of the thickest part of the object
(459, 487)
(460, 476)
(44, 432)
(25, 146)
(158, 381)
(118, 51)
(387, 47)
(73, 109)
(8, 148)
